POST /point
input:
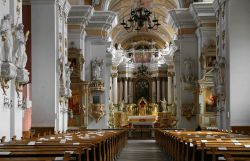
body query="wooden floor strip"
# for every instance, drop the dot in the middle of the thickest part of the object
(142, 150)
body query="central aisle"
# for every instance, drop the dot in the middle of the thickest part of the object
(142, 150)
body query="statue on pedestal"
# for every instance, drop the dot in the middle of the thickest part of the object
(68, 71)
(121, 106)
(164, 105)
(220, 67)
(7, 38)
(97, 66)
(188, 70)
(20, 46)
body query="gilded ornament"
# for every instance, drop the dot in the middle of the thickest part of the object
(96, 111)
(114, 75)
(114, 67)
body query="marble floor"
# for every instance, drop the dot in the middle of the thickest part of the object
(142, 150)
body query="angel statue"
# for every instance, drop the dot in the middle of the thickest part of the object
(20, 49)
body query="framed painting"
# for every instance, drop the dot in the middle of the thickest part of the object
(210, 101)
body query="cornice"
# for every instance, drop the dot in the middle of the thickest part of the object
(103, 18)
(203, 13)
(181, 18)
(43, 2)
(25, 2)
(80, 15)
(101, 23)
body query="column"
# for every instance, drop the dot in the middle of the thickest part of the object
(44, 71)
(118, 91)
(163, 89)
(121, 90)
(169, 88)
(166, 88)
(154, 90)
(114, 88)
(130, 92)
(126, 90)
(158, 90)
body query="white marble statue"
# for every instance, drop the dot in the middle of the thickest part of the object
(121, 105)
(111, 107)
(7, 38)
(220, 65)
(126, 60)
(164, 105)
(188, 70)
(154, 58)
(20, 49)
(97, 66)
(68, 72)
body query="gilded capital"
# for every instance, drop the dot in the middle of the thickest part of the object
(114, 75)
(170, 74)
(114, 67)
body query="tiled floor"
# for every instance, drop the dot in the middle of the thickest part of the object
(142, 150)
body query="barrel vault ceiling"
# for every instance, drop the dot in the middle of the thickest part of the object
(160, 8)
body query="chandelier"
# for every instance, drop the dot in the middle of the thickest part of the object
(139, 19)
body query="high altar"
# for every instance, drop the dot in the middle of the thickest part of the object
(142, 113)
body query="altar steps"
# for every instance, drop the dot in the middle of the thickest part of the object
(142, 150)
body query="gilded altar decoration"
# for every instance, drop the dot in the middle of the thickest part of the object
(96, 86)
(187, 110)
(96, 111)
(142, 104)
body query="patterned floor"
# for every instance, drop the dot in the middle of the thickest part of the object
(142, 150)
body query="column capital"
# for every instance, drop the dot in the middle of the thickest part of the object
(164, 78)
(114, 67)
(113, 75)
(171, 74)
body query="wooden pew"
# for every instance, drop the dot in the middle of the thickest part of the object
(102, 145)
(191, 145)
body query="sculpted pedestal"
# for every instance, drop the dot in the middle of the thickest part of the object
(8, 70)
(22, 76)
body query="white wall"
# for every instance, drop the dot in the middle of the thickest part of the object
(44, 88)
(239, 58)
